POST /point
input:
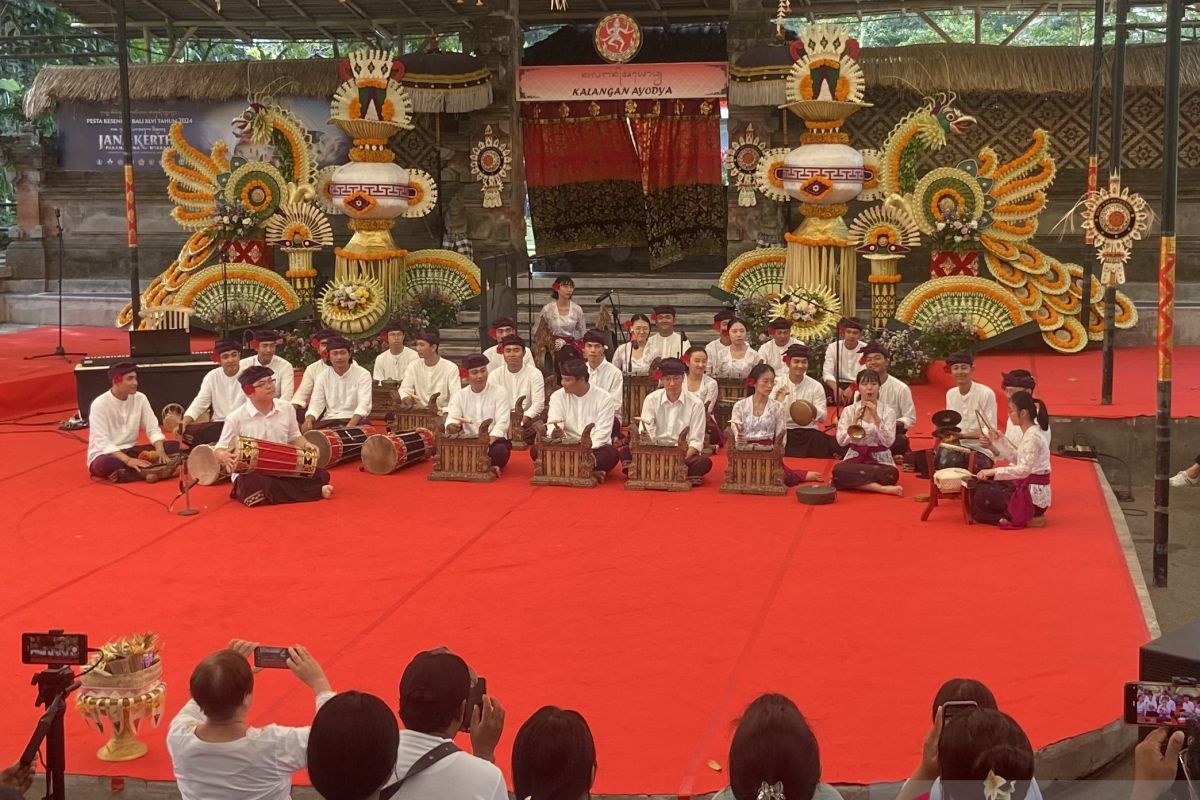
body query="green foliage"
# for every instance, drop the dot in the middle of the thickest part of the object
(429, 308)
(947, 335)
(756, 313)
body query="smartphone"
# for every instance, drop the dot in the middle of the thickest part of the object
(271, 657)
(474, 700)
(957, 708)
(1161, 704)
(56, 649)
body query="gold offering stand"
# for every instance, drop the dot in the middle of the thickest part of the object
(460, 457)
(658, 465)
(125, 700)
(754, 468)
(409, 418)
(562, 462)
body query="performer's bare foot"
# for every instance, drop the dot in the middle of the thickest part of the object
(327, 491)
(813, 476)
(599, 475)
(496, 471)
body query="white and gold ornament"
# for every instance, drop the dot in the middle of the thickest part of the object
(491, 162)
(741, 162)
(1116, 218)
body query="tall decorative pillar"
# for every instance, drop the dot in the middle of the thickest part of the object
(883, 235)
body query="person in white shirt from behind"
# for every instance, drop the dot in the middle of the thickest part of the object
(352, 747)
(434, 692)
(308, 381)
(722, 342)
(502, 328)
(842, 363)
(480, 401)
(666, 342)
(430, 374)
(807, 441)
(114, 420)
(216, 753)
(264, 344)
(343, 393)
(771, 352)
(520, 379)
(219, 393)
(391, 363)
(667, 411)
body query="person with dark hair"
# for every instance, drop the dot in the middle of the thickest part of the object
(721, 326)
(482, 400)
(969, 398)
(667, 411)
(667, 342)
(578, 404)
(501, 329)
(960, 689)
(554, 756)
(736, 360)
(772, 350)
(308, 381)
(264, 345)
(702, 386)
(114, 421)
(983, 755)
(601, 373)
(563, 317)
(804, 441)
(220, 393)
(893, 392)
(634, 357)
(1017, 495)
(760, 419)
(215, 753)
(867, 428)
(519, 378)
(774, 754)
(430, 374)
(352, 747)
(434, 691)
(842, 363)
(343, 393)
(1019, 380)
(392, 363)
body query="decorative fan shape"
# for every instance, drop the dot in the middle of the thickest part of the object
(990, 307)
(766, 181)
(1032, 261)
(256, 185)
(1029, 296)
(1127, 314)
(426, 197)
(1047, 317)
(827, 69)
(755, 273)
(356, 307)
(453, 275)
(944, 194)
(248, 287)
(299, 226)
(324, 197)
(884, 230)
(372, 95)
(1066, 303)
(1070, 338)
(1076, 288)
(1004, 271)
(873, 183)
(1056, 279)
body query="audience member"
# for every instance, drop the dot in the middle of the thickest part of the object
(554, 756)
(983, 755)
(959, 689)
(352, 747)
(1156, 763)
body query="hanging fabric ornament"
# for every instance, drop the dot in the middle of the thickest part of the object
(491, 160)
(741, 162)
(1116, 218)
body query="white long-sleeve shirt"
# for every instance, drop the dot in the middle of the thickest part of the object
(285, 375)
(772, 353)
(726, 365)
(1032, 456)
(114, 424)
(807, 389)
(459, 775)
(841, 364)
(608, 378)
(528, 383)
(218, 391)
(342, 396)
(1012, 431)
(624, 361)
(495, 358)
(882, 434)
(573, 324)
(673, 346)
(713, 348)
(277, 425)
(707, 393)
(390, 366)
(979, 398)
(662, 419)
(895, 393)
(308, 382)
(258, 766)
(572, 414)
(422, 381)
(762, 427)
(469, 408)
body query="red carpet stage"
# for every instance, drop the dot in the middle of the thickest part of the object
(658, 616)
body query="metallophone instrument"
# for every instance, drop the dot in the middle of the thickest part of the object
(409, 418)
(462, 457)
(658, 463)
(563, 462)
(754, 468)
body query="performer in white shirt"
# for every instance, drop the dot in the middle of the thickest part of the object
(502, 328)
(308, 381)
(1017, 495)
(391, 364)
(264, 417)
(721, 326)
(478, 401)
(563, 317)
(699, 384)
(968, 397)
(760, 419)
(430, 374)
(868, 464)
(1019, 380)
(219, 392)
(520, 378)
(771, 352)
(667, 411)
(343, 393)
(634, 357)
(808, 441)
(601, 373)
(842, 363)
(667, 342)
(892, 392)
(578, 404)
(114, 420)
(264, 344)
(736, 360)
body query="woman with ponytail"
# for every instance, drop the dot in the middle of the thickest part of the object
(1017, 495)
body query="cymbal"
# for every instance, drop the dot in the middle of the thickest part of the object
(946, 418)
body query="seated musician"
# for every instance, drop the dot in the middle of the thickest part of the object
(269, 419)
(892, 392)
(842, 363)
(807, 441)
(970, 400)
(634, 357)
(1019, 380)
(264, 344)
(721, 326)
(601, 374)
(343, 393)
(219, 392)
(478, 401)
(520, 378)
(667, 342)
(502, 328)
(391, 363)
(868, 464)
(702, 386)
(429, 374)
(579, 404)
(759, 419)
(667, 411)
(1017, 495)
(308, 381)
(771, 351)
(736, 360)
(114, 420)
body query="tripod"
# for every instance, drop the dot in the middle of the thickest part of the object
(53, 687)
(60, 351)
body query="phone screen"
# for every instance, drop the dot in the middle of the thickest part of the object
(1161, 704)
(474, 699)
(271, 657)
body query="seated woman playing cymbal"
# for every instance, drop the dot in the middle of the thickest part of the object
(1017, 495)
(867, 428)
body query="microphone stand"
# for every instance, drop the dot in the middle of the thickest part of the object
(59, 351)
(618, 340)
(185, 491)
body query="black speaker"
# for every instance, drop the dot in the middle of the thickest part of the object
(1175, 655)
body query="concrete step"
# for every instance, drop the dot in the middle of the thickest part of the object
(77, 309)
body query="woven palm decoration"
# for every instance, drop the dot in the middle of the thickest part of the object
(356, 307)
(991, 308)
(257, 186)
(491, 161)
(873, 182)
(741, 162)
(324, 197)
(249, 287)
(1116, 218)
(755, 273)
(300, 229)
(765, 179)
(451, 274)
(426, 194)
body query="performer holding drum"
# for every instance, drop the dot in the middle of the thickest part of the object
(219, 392)
(867, 428)
(804, 398)
(1017, 495)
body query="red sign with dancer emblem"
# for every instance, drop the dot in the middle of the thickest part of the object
(618, 38)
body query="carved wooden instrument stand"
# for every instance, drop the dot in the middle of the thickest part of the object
(385, 398)
(658, 466)
(729, 391)
(459, 457)
(754, 468)
(408, 418)
(565, 463)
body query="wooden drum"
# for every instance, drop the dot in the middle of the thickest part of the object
(564, 462)
(273, 458)
(338, 445)
(202, 464)
(385, 453)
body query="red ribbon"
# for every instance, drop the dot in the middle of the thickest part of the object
(750, 382)
(716, 326)
(658, 374)
(462, 373)
(687, 359)
(654, 317)
(628, 325)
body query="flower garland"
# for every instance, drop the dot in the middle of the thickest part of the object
(956, 233)
(354, 307)
(813, 311)
(232, 220)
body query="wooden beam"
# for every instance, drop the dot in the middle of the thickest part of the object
(1025, 24)
(181, 45)
(978, 26)
(928, 20)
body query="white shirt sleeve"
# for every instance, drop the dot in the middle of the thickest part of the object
(408, 386)
(307, 384)
(149, 421)
(697, 427)
(989, 407)
(377, 370)
(499, 413)
(907, 411)
(537, 399)
(286, 378)
(827, 369)
(203, 399)
(555, 418)
(608, 407)
(363, 388)
(455, 413)
(232, 429)
(316, 406)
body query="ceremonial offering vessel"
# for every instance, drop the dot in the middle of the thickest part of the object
(124, 686)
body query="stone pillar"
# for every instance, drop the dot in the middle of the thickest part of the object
(23, 158)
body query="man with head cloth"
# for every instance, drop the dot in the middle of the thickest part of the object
(430, 374)
(219, 392)
(667, 411)
(264, 345)
(481, 400)
(521, 379)
(578, 404)
(114, 421)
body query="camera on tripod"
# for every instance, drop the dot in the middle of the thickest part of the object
(58, 652)
(54, 648)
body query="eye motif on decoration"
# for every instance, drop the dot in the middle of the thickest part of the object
(741, 162)
(886, 230)
(491, 161)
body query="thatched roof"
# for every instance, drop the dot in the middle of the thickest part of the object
(927, 68)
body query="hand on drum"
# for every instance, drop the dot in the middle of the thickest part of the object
(226, 458)
(138, 464)
(986, 474)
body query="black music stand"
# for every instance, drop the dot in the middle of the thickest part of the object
(59, 351)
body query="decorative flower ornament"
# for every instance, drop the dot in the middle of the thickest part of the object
(814, 311)
(886, 230)
(741, 162)
(771, 791)
(491, 162)
(997, 788)
(1117, 218)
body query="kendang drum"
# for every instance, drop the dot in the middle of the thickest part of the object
(202, 464)
(272, 458)
(949, 480)
(384, 453)
(337, 445)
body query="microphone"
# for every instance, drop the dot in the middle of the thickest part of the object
(604, 296)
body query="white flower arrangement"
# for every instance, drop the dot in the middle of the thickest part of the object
(813, 311)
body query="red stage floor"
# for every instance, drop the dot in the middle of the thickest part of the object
(658, 616)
